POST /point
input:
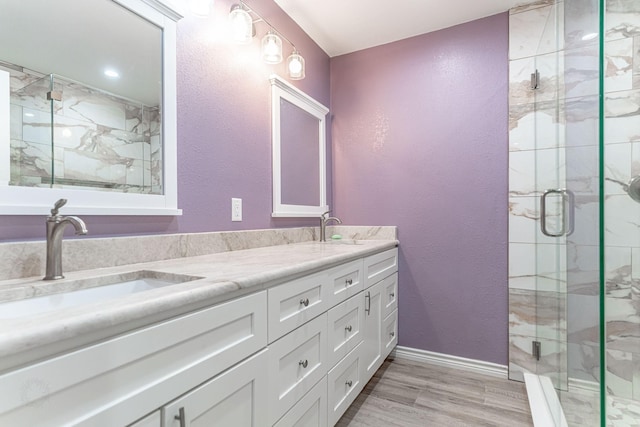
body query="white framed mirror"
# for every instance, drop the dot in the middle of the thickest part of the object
(88, 107)
(299, 152)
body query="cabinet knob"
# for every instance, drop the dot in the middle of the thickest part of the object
(304, 363)
(348, 328)
(349, 383)
(305, 302)
(393, 334)
(348, 282)
(392, 294)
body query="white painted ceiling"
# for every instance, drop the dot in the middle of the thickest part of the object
(344, 26)
(78, 39)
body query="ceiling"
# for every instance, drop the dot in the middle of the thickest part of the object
(344, 26)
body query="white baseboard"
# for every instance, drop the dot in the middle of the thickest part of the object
(440, 359)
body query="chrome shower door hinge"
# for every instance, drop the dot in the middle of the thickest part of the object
(535, 80)
(536, 349)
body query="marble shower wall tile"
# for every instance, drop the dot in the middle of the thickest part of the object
(550, 67)
(581, 72)
(622, 19)
(534, 170)
(619, 373)
(538, 313)
(536, 31)
(622, 227)
(524, 5)
(552, 363)
(619, 65)
(364, 232)
(584, 361)
(619, 280)
(622, 117)
(583, 269)
(540, 267)
(523, 219)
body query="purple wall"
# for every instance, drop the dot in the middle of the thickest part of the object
(224, 131)
(420, 141)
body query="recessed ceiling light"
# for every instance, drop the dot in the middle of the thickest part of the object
(111, 73)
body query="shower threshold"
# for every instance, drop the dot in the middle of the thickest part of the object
(546, 409)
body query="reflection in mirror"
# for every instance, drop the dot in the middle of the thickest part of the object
(299, 152)
(85, 95)
(88, 106)
(300, 157)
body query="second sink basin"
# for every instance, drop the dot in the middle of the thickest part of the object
(86, 291)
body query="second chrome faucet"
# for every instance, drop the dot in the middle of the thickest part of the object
(324, 220)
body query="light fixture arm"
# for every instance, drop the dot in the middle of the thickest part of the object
(261, 19)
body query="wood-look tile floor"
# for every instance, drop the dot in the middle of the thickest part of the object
(404, 393)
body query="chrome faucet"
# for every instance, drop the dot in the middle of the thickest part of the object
(55, 229)
(324, 219)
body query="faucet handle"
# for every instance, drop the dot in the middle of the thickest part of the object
(60, 203)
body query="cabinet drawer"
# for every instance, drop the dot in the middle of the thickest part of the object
(294, 303)
(148, 366)
(310, 411)
(233, 398)
(344, 383)
(389, 294)
(346, 322)
(379, 266)
(345, 281)
(389, 333)
(297, 362)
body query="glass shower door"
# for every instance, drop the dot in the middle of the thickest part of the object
(568, 239)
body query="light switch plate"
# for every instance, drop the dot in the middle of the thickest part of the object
(236, 209)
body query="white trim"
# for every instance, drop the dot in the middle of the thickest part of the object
(282, 89)
(447, 360)
(16, 200)
(546, 409)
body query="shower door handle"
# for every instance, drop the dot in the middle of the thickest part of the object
(568, 204)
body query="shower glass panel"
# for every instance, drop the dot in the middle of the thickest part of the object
(567, 242)
(67, 134)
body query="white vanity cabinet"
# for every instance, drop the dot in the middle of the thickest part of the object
(296, 354)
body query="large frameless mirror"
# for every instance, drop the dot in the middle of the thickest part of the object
(88, 106)
(299, 152)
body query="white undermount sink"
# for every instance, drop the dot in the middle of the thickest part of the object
(89, 291)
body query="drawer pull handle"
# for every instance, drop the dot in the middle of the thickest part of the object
(349, 383)
(393, 334)
(348, 282)
(348, 328)
(367, 300)
(305, 302)
(392, 294)
(304, 363)
(181, 417)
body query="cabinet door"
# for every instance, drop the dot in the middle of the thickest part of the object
(346, 323)
(237, 397)
(390, 333)
(389, 295)
(372, 346)
(310, 411)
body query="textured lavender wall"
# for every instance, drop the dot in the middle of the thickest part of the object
(224, 131)
(420, 141)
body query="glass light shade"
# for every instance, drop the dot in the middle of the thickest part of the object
(241, 24)
(271, 48)
(200, 7)
(295, 66)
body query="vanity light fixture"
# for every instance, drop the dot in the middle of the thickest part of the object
(295, 66)
(243, 30)
(272, 48)
(200, 7)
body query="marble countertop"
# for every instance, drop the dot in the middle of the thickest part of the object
(224, 275)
